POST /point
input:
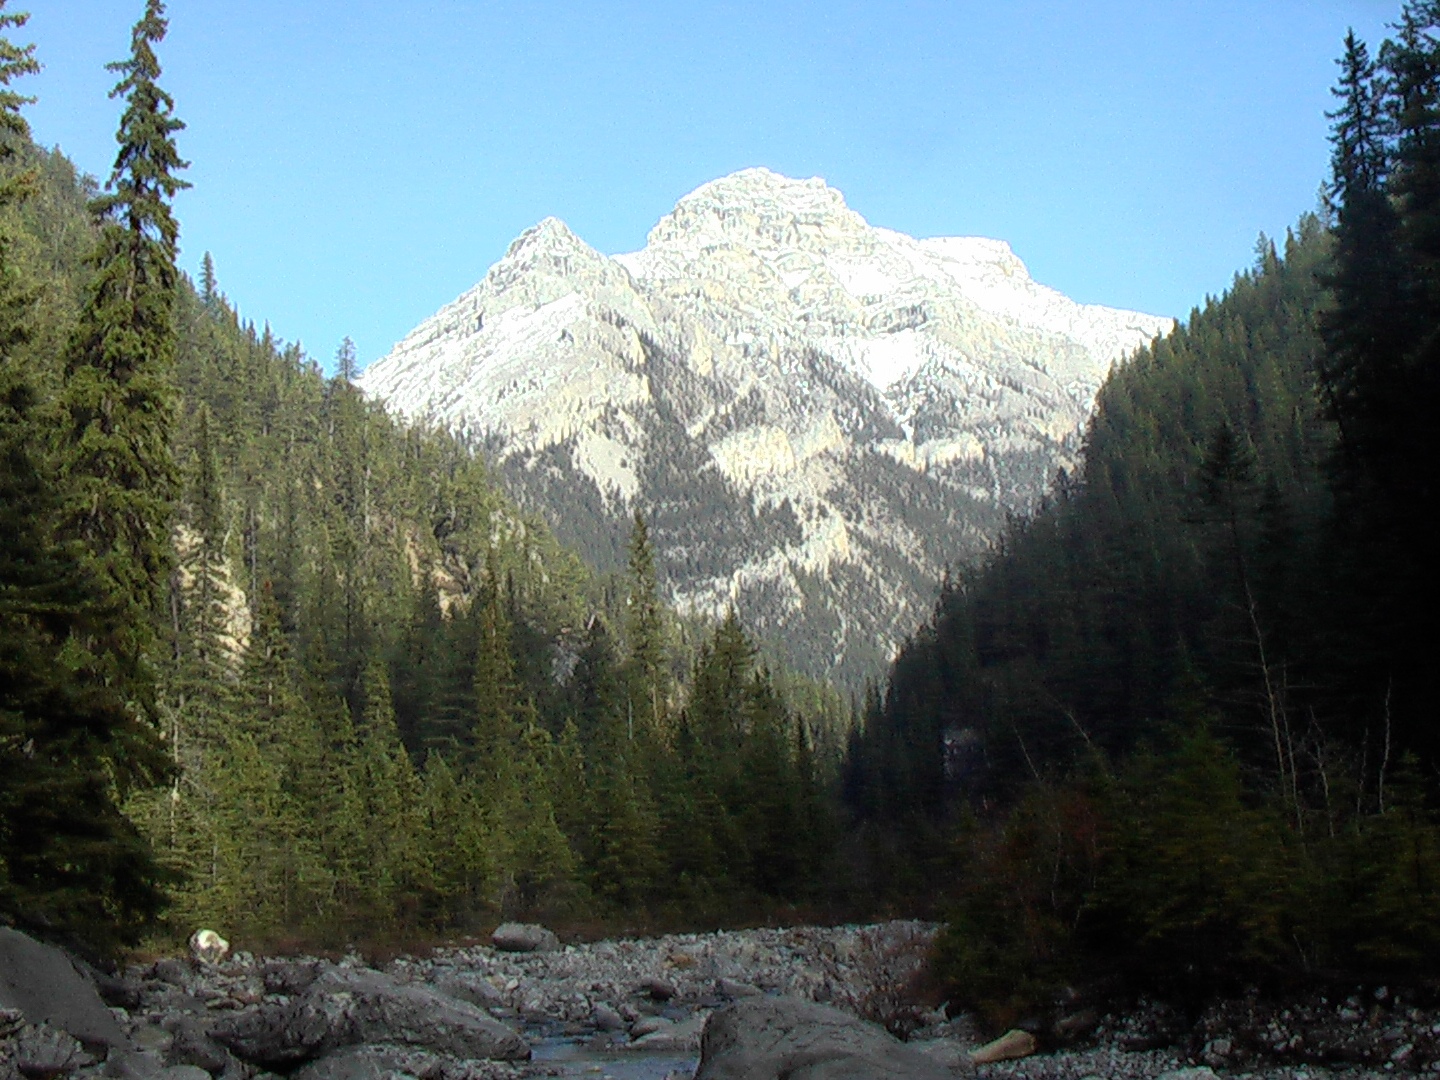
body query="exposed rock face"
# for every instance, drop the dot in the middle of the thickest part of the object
(814, 414)
(787, 1039)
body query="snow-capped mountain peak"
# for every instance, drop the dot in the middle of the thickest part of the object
(816, 414)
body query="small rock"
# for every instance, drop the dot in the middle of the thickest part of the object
(647, 1025)
(734, 989)
(606, 1019)
(1013, 1044)
(683, 1037)
(659, 989)
(1217, 1051)
(172, 970)
(152, 1037)
(182, 1072)
(133, 1064)
(191, 1044)
(11, 1021)
(41, 1052)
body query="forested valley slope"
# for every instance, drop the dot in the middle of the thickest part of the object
(1183, 717)
(336, 681)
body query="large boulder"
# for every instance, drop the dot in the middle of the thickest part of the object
(46, 986)
(789, 1039)
(524, 937)
(352, 1006)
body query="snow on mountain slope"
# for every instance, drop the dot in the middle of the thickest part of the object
(814, 414)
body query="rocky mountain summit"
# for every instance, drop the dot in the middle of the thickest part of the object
(814, 414)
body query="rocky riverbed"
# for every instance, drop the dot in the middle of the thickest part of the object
(529, 1005)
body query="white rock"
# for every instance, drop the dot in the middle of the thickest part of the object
(208, 946)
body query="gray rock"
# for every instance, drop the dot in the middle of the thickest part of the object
(606, 1019)
(192, 1045)
(182, 1072)
(524, 937)
(471, 987)
(680, 1038)
(951, 1053)
(351, 1006)
(115, 990)
(657, 988)
(44, 984)
(775, 1038)
(734, 989)
(290, 976)
(173, 970)
(371, 1063)
(40, 1051)
(152, 1037)
(647, 1025)
(383, 1062)
(133, 1064)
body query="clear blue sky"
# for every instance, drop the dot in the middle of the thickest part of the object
(359, 163)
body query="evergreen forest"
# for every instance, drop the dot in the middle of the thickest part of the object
(1179, 727)
(274, 661)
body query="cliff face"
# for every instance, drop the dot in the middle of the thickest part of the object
(814, 414)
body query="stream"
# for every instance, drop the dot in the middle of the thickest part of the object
(574, 1057)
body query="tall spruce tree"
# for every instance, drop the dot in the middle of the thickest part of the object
(1380, 376)
(119, 396)
(69, 860)
(647, 677)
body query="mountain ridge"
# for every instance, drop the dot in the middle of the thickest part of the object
(817, 415)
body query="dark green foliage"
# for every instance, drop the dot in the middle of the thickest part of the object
(1196, 884)
(70, 862)
(1011, 938)
(1220, 636)
(351, 659)
(119, 397)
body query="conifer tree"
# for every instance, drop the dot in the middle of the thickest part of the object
(208, 294)
(646, 670)
(496, 733)
(119, 397)
(68, 857)
(461, 845)
(381, 819)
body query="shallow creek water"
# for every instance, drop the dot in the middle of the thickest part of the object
(575, 1057)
